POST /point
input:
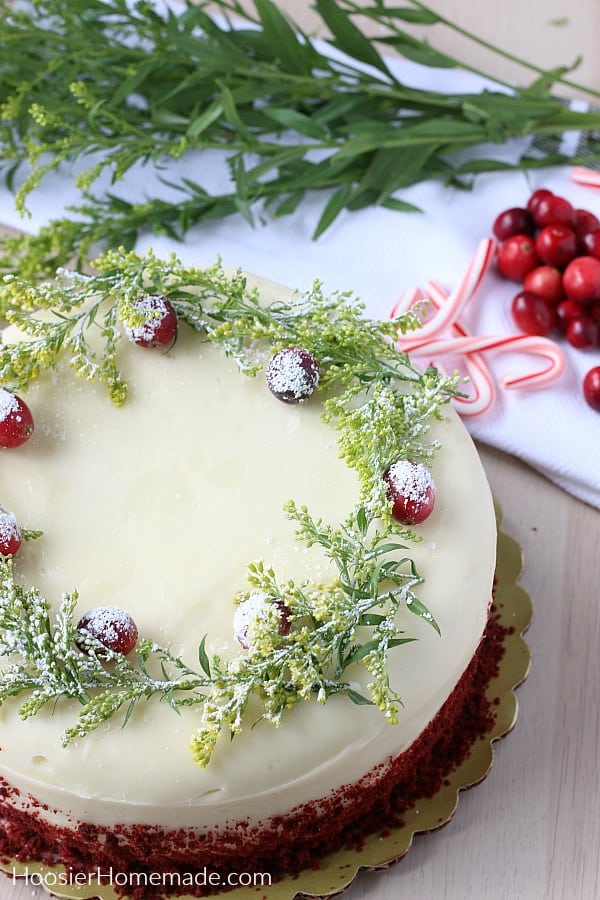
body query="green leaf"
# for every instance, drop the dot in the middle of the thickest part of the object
(364, 649)
(296, 121)
(358, 698)
(371, 619)
(282, 39)
(203, 657)
(334, 206)
(231, 113)
(361, 521)
(347, 37)
(419, 609)
(289, 204)
(360, 652)
(202, 122)
(400, 205)
(130, 84)
(415, 16)
(9, 176)
(166, 118)
(418, 51)
(129, 711)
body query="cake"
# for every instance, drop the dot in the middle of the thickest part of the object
(156, 507)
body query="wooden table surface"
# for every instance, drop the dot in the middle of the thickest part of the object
(531, 830)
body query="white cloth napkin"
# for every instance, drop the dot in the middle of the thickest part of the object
(378, 254)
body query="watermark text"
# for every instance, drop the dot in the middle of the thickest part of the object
(203, 877)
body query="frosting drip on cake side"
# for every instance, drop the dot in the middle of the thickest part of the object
(157, 507)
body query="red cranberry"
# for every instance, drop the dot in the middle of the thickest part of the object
(10, 534)
(566, 311)
(591, 388)
(293, 375)
(160, 327)
(16, 421)
(112, 627)
(583, 333)
(545, 281)
(585, 221)
(255, 607)
(554, 210)
(411, 490)
(517, 256)
(533, 314)
(515, 220)
(590, 243)
(556, 245)
(581, 279)
(536, 198)
(593, 309)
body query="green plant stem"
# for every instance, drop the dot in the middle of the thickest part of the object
(286, 117)
(503, 54)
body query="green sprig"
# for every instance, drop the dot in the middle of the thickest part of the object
(50, 659)
(382, 407)
(83, 314)
(288, 116)
(348, 622)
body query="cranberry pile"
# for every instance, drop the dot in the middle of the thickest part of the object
(553, 250)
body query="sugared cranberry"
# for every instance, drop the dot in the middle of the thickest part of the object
(515, 220)
(545, 281)
(585, 221)
(536, 198)
(411, 490)
(566, 311)
(257, 606)
(583, 332)
(591, 388)
(160, 327)
(112, 627)
(517, 256)
(293, 375)
(16, 421)
(533, 314)
(10, 534)
(556, 245)
(590, 243)
(554, 210)
(581, 279)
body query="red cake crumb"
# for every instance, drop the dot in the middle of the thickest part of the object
(285, 844)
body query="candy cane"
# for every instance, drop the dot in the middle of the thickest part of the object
(484, 392)
(538, 346)
(482, 383)
(458, 298)
(430, 341)
(586, 177)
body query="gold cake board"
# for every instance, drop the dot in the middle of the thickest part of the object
(338, 871)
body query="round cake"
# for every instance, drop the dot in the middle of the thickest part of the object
(157, 507)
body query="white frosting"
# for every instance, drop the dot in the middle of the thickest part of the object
(158, 507)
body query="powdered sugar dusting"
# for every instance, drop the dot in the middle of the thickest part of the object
(293, 375)
(411, 480)
(158, 306)
(9, 529)
(247, 612)
(112, 626)
(8, 404)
